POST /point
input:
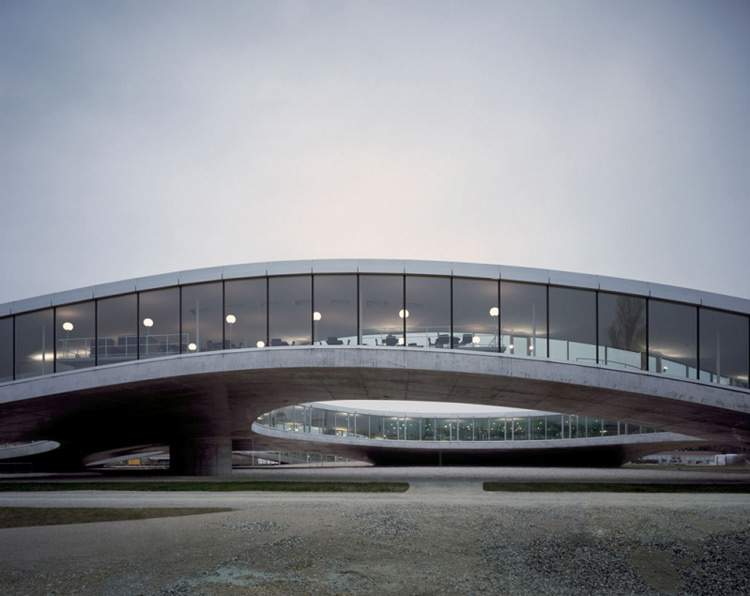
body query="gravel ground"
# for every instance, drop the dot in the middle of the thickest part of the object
(443, 536)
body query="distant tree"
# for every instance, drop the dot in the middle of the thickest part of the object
(629, 326)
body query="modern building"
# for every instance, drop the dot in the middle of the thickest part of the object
(192, 359)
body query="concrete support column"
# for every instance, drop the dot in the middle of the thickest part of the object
(201, 456)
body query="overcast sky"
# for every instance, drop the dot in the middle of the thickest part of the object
(139, 138)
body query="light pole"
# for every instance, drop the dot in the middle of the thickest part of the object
(316, 318)
(68, 327)
(148, 323)
(231, 320)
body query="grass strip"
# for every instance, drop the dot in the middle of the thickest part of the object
(184, 486)
(613, 487)
(18, 517)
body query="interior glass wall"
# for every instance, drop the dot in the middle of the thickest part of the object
(476, 314)
(117, 329)
(35, 348)
(428, 312)
(622, 331)
(572, 325)
(201, 317)
(724, 348)
(673, 339)
(497, 429)
(427, 429)
(381, 298)
(159, 313)
(335, 314)
(290, 315)
(6, 349)
(362, 425)
(245, 313)
(75, 336)
(523, 319)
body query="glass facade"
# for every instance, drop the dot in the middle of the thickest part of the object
(476, 314)
(201, 317)
(425, 311)
(382, 310)
(523, 319)
(335, 310)
(572, 325)
(76, 336)
(723, 348)
(245, 313)
(622, 331)
(290, 314)
(428, 312)
(6, 349)
(159, 324)
(35, 347)
(673, 339)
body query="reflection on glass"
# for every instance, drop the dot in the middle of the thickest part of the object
(465, 429)
(245, 313)
(160, 323)
(6, 349)
(481, 429)
(201, 317)
(672, 339)
(572, 324)
(382, 299)
(443, 430)
(362, 425)
(117, 329)
(476, 314)
(335, 309)
(427, 429)
(428, 311)
(523, 319)
(75, 336)
(377, 426)
(537, 428)
(622, 331)
(497, 429)
(520, 428)
(724, 348)
(554, 427)
(34, 344)
(290, 314)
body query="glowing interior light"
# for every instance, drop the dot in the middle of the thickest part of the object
(192, 347)
(261, 344)
(231, 319)
(494, 311)
(317, 316)
(403, 313)
(401, 341)
(148, 322)
(475, 340)
(68, 326)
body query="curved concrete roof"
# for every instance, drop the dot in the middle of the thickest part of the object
(210, 394)
(222, 393)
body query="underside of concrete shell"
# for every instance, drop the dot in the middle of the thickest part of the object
(199, 403)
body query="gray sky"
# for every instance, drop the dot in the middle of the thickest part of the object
(139, 138)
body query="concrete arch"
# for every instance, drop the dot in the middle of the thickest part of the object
(201, 403)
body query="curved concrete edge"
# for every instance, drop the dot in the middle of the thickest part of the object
(28, 449)
(414, 360)
(601, 451)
